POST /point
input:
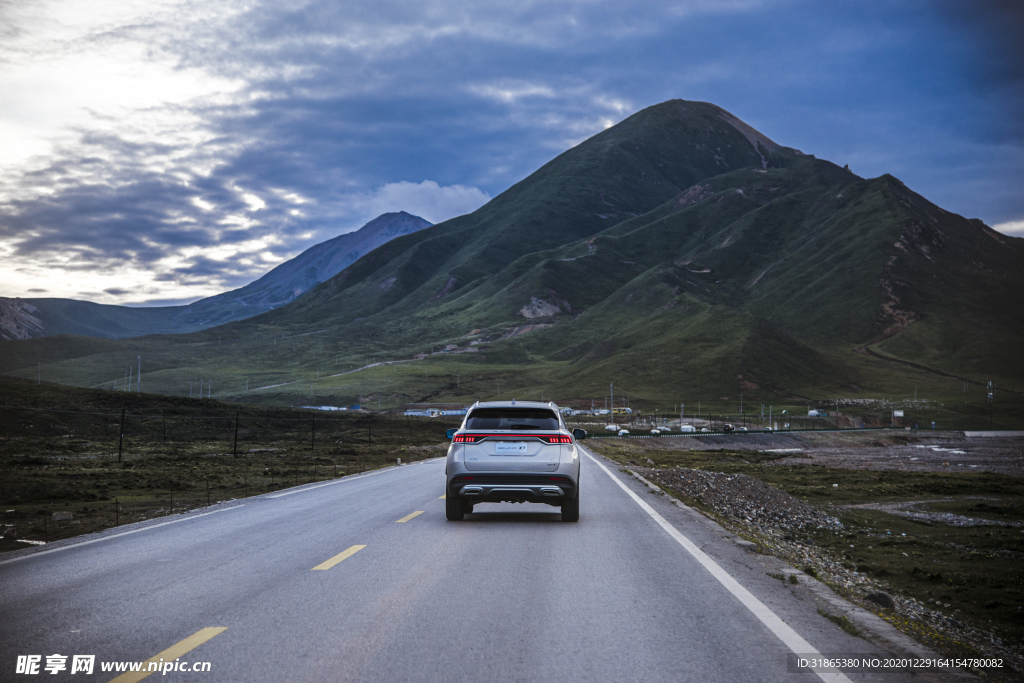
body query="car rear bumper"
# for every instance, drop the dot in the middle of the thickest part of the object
(496, 488)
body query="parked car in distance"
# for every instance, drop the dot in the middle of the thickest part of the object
(743, 429)
(612, 428)
(727, 428)
(704, 429)
(687, 428)
(623, 432)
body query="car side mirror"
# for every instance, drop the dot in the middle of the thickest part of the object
(450, 434)
(579, 434)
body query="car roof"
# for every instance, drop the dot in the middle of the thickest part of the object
(515, 404)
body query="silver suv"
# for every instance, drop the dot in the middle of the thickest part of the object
(513, 452)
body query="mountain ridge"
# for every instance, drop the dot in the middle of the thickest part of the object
(677, 249)
(24, 318)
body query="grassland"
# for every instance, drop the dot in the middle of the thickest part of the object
(59, 454)
(325, 369)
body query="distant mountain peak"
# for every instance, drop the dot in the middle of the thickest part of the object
(26, 318)
(295, 277)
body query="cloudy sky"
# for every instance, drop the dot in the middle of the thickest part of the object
(164, 150)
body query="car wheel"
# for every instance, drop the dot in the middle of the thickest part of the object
(571, 509)
(453, 509)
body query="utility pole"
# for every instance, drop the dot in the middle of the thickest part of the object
(611, 388)
(234, 451)
(138, 380)
(129, 378)
(120, 438)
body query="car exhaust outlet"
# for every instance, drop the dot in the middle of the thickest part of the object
(550, 491)
(472, 490)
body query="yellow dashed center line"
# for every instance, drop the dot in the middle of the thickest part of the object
(338, 558)
(172, 653)
(443, 497)
(408, 517)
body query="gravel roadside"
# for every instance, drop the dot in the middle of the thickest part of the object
(780, 523)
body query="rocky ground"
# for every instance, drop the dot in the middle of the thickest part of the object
(909, 509)
(913, 451)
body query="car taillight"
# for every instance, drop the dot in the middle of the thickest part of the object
(557, 439)
(466, 438)
(464, 478)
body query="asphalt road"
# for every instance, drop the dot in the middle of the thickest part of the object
(510, 594)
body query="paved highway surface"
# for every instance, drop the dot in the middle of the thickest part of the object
(363, 579)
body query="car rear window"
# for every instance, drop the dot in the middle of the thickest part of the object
(512, 418)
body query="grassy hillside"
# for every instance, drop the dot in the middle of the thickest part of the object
(679, 254)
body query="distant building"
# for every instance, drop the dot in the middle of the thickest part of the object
(425, 412)
(434, 409)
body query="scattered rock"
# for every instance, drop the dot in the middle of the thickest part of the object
(743, 498)
(883, 600)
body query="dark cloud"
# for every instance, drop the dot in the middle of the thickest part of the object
(117, 291)
(339, 99)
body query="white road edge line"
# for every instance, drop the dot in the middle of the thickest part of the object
(782, 631)
(123, 533)
(344, 479)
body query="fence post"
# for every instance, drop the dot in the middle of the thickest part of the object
(312, 438)
(207, 493)
(234, 451)
(120, 438)
(245, 482)
(163, 423)
(172, 503)
(117, 513)
(46, 533)
(369, 429)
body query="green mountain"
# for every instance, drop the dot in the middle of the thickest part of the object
(679, 253)
(40, 317)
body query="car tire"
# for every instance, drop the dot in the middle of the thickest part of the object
(571, 509)
(453, 509)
